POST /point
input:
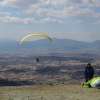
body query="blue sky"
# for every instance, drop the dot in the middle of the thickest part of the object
(66, 19)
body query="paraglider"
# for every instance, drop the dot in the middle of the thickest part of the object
(38, 34)
(37, 59)
(94, 83)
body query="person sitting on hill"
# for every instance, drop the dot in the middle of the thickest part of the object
(88, 72)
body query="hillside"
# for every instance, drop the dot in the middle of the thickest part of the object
(17, 69)
(56, 92)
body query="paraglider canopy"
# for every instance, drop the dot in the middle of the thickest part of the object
(37, 34)
(94, 82)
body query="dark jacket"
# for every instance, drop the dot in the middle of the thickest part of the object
(89, 72)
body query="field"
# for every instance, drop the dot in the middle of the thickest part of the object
(56, 92)
(56, 68)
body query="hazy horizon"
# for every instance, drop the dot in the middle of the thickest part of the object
(4, 39)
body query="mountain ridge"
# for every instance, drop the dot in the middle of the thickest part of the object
(57, 44)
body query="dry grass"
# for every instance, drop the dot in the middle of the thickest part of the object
(56, 92)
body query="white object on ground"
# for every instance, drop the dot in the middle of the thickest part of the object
(95, 84)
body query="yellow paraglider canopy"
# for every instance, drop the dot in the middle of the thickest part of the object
(37, 34)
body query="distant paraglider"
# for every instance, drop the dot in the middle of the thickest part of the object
(38, 34)
(37, 59)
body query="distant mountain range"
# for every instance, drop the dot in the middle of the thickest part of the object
(45, 44)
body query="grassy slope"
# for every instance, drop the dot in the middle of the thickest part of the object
(56, 92)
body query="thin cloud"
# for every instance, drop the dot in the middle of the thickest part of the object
(91, 3)
(5, 13)
(50, 20)
(70, 11)
(55, 3)
(59, 3)
(78, 21)
(98, 22)
(23, 3)
(15, 20)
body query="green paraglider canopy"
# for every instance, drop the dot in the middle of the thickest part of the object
(94, 82)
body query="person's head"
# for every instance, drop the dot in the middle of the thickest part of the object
(89, 65)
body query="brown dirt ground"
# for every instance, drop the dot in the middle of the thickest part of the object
(56, 92)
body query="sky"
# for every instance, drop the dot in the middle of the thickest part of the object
(64, 19)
